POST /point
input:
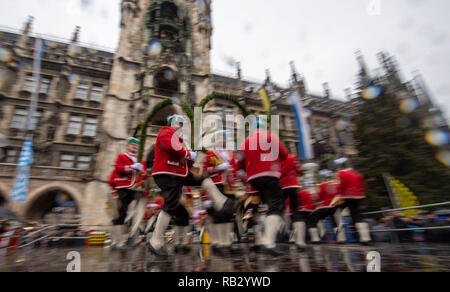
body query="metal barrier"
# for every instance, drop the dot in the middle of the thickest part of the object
(408, 208)
(49, 236)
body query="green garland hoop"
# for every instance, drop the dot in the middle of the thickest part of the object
(225, 96)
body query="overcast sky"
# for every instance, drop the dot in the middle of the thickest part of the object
(321, 36)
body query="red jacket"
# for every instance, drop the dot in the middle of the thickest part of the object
(123, 176)
(306, 202)
(171, 155)
(289, 174)
(351, 184)
(262, 163)
(328, 191)
(213, 159)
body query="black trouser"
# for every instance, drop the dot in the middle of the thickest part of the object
(322, 214)
(271, 194)
(353, 205)
(303, 216)
(292, 194)
(171, 190)
(221, 217)
(126, 196)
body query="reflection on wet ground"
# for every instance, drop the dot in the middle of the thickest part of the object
(321, 258)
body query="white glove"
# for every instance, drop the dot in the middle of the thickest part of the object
(138, 166)
(208, 204)
(242, 174)
(193, 155)
(223, 167)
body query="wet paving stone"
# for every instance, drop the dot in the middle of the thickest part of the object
(201, 258)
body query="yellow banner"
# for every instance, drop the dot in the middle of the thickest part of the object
(265, 99)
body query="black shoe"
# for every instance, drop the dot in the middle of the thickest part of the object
(301, 249)
(159, 252)
(273, 252)
(217, 250)
(367, 243)
(234, 250)
(182, 248)
(230, 207)
(257, 248)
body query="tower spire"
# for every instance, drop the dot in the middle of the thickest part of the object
(23, 40)
(76, 34)
(293, 71)
(363, 75)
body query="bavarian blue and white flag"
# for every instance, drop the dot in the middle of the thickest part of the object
(303, 127)
(20, 188)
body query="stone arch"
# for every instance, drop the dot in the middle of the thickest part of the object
(156, 111)
(43, 199)
(3, 196)
(224, 96)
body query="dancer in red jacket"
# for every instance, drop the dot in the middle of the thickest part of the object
(290, 171)
(262, 164)
(328, 190)
(127, 176)
(171, 171)
(351, 186)
(221, 166)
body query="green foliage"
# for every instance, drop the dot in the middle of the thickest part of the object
(188, 111)
(144, 125)
(225, 96)
(385, 147)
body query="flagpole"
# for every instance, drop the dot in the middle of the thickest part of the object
(39, 48)
(21, 181)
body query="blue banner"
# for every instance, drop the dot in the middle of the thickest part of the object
(303, 128)
(20, 188)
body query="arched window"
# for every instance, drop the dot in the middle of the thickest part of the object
(166, 82)
(53, 207)
(169, 12)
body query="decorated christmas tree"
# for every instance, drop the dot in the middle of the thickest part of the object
(392, 140)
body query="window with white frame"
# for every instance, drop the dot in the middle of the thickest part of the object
(82, 91)
(28, 85)
(67, 161)
(90, 127)
(75, 124)
(87, 126)
(19, 119)
(12, 156)
(45, 85)
(84, 162)
(89, 91)
(96, 93)
(77, 161)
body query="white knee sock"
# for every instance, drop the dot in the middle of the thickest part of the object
(259, 235)
(122, 235)
(300, 232)
(215, 234)
(363, 230)
(314, 234)
(321, 228)
(181, 234)
(228, 238)
(272, 226)
(340, 230)
(222, 229)
(157, 240)
(214, 194)
(115, 235)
